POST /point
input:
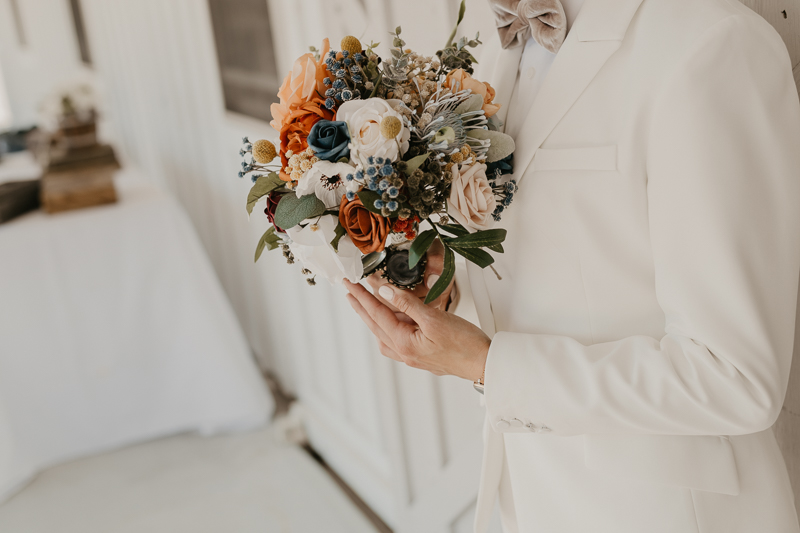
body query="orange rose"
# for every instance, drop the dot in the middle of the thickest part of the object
(367, 230)
(465, 81)
(296, 127)
(301, 85)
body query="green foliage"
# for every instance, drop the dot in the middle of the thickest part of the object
(476, 255)
(420, 245)
(292, 210)
(340, 232)
(480, 239)
(269, 241)
(368, 198)
(502, 144)
(448, 272)
(461, 10)
(262, 187)
(416, 162)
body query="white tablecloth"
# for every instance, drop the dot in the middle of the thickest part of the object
(114, 329)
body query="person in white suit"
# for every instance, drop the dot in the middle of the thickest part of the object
(636, 351)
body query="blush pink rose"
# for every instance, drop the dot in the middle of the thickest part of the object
(301, 85)
(472, 201)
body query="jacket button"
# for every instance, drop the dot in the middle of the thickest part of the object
(531, 427)
(503, 424)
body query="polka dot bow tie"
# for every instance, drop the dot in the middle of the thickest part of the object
(544, 20)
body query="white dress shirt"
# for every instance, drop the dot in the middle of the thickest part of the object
(533, 68)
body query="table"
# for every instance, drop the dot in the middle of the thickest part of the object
(114, 329)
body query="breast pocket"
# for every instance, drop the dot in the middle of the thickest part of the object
(597, 158)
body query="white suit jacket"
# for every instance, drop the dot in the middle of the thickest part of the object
(653, 252)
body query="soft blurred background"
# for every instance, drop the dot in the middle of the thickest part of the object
(137, 337)
(152, 377)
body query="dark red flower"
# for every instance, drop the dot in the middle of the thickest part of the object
(272, 204)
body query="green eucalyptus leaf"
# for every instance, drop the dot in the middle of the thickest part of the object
(448, 272)
(340, 232)
(368, 198)
(473, 103)
(262, 187)
(476, 255)
(420, 246)
(502, 144)
(416, 162)
(480, 239)
(292, 210)
(269, 241)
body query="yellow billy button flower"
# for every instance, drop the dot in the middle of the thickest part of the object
(391, 127)
(264, 151)
(352, 45)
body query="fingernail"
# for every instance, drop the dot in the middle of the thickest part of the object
(432, 279)
(386, 293)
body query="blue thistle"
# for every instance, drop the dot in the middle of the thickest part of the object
(330, 92)
(241, 174)
(245, 140)
(341, 73)
(393, 192)
(339, 84)
(349, 177)
(347, 94)
(358, 57)
(357, 78)
(350, 195)
(387, 170)
(383, 185)
(372, 171)
(392, 205)
(360, 175)
(329, 103)
(347, 61)
(378, 204)
(355, 69)
(326, 81)
(345, 53)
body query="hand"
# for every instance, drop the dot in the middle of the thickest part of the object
(433, 269)
(437, 341)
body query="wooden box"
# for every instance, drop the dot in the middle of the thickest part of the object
(17, 198)
(78, 178)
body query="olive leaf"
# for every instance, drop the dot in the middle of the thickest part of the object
(416, 162)
(454, 229)
(368, 198)
(447, 276)
(269, 241)
(480, 239)
(476, 255)
(262, 187)
(461, 10)
(340, 232)
(420, 246)
(292, 210)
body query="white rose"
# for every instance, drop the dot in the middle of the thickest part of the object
(327, 181)
(314, 251)
(472, 201)
(364, 119)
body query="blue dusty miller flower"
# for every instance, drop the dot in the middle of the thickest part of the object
(329, 140)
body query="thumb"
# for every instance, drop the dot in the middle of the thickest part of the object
(405, 302)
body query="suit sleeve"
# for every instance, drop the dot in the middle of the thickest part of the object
(723, 193)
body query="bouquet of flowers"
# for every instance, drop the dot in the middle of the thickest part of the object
(378, 158)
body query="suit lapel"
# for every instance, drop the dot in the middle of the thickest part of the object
(504, 78)
(595, 36)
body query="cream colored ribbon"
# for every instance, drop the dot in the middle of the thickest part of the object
(544, 20)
